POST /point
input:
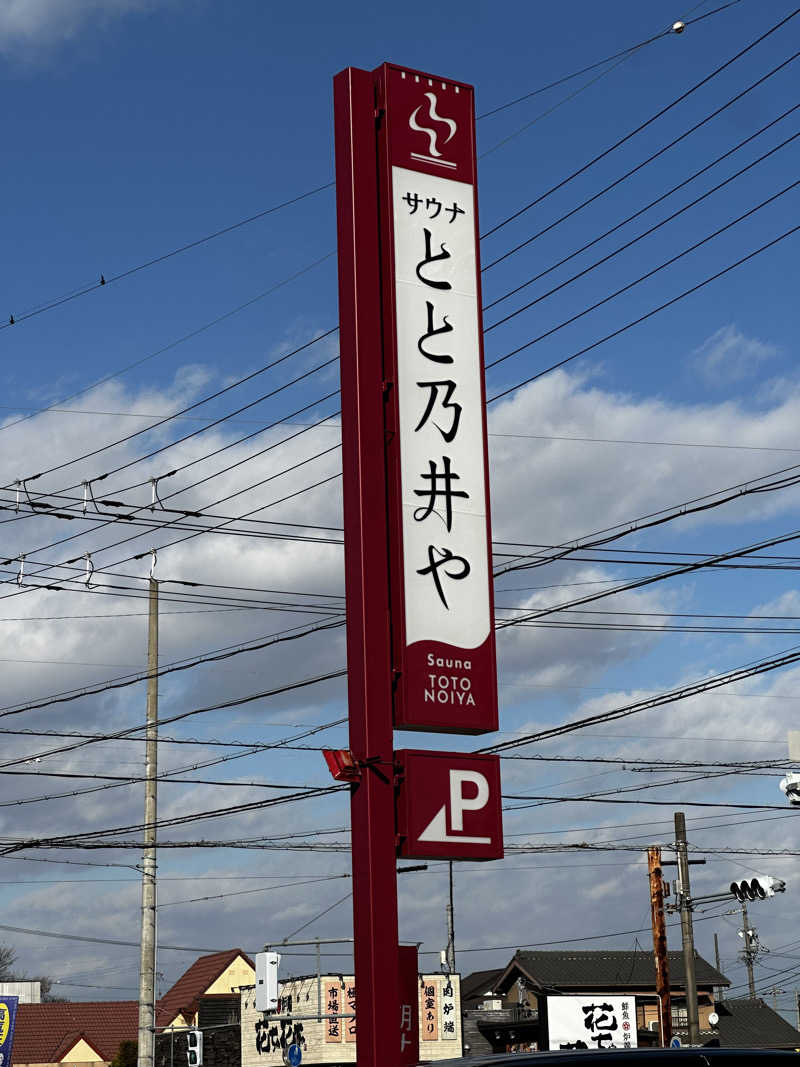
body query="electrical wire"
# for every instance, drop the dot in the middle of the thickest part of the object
(642, 318)
(640, 211)
(657, 700)
(651, 230)
(638, 129)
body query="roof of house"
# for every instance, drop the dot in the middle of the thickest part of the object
(602, 970)
(753, 1024)
(184, 996)
(478, 984)
(44, 1033)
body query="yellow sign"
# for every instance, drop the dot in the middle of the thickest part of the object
(5, 1020)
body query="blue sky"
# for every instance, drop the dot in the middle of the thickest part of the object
(136, 126)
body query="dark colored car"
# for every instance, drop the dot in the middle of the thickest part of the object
(647, 1057)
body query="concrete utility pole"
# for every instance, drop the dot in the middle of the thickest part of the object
(687, 931)
(660, 944)
(749, 950)
(451, 935)
(147, 965)
(719, 994)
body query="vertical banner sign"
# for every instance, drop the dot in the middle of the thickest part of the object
(449, 1010)
(333, 1009)
(350, 1009)
(440, 539)
(409, 1006)
(8, 1016)
(429, 1011)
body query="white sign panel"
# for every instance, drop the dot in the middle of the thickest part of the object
(443, 490)
(591, 1021)
(449, 1010)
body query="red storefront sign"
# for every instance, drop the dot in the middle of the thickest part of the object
(420, 633)
(440, 542)
(448, 806)
(409, 1005)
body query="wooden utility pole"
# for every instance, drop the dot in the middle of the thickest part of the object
(687, 931)
(716, 957)
(147, 965)
(660, 944)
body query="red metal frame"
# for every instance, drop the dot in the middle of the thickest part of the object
(378, 660)
(369, 660)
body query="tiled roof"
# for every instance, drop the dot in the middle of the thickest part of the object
(478, 984)
(185, 995)
(753, 1024)
(44, 1033)
(605, 970)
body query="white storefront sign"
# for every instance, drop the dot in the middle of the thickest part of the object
(591, 1021)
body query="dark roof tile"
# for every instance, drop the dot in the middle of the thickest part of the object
(753, 1024)
(44, 1033)
(606, 969)
(479, 983)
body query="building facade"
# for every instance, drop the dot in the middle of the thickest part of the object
(307, 1016)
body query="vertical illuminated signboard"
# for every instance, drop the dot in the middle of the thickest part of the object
(440, 540)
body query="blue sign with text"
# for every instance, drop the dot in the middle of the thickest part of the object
(8, 1016)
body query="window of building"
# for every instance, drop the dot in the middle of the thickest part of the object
(680, 1016)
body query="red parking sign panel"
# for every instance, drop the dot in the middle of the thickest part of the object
(448, 806)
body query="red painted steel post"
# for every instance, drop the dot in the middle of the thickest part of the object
(369, 660)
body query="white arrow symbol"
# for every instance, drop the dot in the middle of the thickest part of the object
(436, 830)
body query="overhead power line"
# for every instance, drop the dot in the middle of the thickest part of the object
(170, 345)
(177, 820)
(635, 322)
(659, 699)
(642, 126)
(640, 211)
(652, 229)
(101, 281)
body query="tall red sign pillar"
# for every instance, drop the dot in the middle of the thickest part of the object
(420, 635)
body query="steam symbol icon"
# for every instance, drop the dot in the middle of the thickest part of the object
(432, 133)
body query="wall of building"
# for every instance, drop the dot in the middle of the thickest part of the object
(646, 1003)
(238, 973)
(65, 1063)
(82, 1052)
(27, 992)
(333, 1041)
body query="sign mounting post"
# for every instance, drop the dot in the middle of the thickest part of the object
(369, 663)
(420, 615)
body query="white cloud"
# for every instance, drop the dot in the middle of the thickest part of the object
(548, 491)
(33, 24)
(544, 492)
(729, 356)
